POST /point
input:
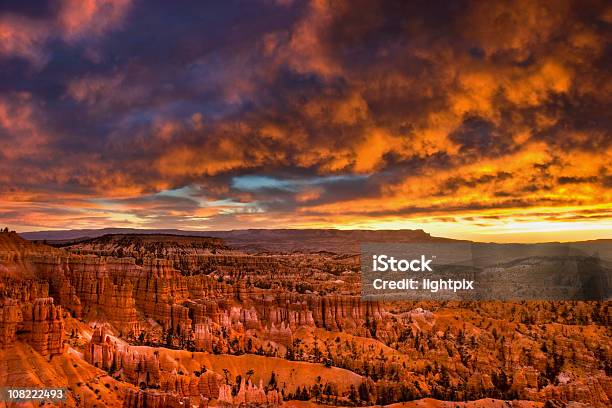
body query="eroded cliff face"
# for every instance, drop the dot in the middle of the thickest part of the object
(27, 312)
(162, 380)
(123, 290)
(154, 313)
(42, 326)
(10, 318)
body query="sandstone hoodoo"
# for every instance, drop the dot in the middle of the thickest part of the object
(174, 321)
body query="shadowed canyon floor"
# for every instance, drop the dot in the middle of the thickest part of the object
(255, 317)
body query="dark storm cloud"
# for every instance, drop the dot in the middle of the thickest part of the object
(454, 183)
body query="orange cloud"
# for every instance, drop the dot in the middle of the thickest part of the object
(19, 123)
(27, 38)
(80, 17)
(24, 38)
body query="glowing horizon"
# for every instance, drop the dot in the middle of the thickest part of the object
(503, 231)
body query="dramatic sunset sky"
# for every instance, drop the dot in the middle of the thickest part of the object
(481, 120)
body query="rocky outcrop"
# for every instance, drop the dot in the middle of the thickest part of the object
(161, 382)
(157, 399)
(249, 394)
(10, 318)
(27, 313)
(146, 369)
(282, 335)
(43, 326)
(100, 352)
(203, 338)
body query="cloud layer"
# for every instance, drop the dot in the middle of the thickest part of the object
(457, 117)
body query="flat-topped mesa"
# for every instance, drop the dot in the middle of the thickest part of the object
(43, 326)
(156, 244)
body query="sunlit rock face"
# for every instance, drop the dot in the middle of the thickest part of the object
(43, 326)
(10, 318)
(168, 321)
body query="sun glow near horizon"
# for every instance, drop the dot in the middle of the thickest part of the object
(503, 227)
